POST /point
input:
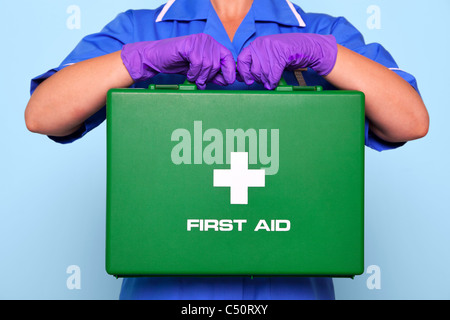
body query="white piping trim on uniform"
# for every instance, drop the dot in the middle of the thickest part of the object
(396, 69)
(164, 10)
(301, 23)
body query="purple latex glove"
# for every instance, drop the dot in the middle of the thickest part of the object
(265, 59)
(201, 58)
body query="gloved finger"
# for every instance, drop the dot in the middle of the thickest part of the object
(220, 80)
(195, 59)
(216, 74)
(238, 77)
(201, 86)
(227, 65)
(204, 74)
(272, 76)
(206, 62)
(256, 69)
(266, 81)
(244, 63)
(266, 67)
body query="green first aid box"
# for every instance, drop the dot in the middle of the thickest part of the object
(235, 183)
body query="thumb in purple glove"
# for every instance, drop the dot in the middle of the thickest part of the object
(201, 58)
(265, 59)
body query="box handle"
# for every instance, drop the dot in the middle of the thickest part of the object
(186, 86)
(282, 86)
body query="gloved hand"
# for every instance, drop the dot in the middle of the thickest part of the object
(265, 59)
(201, 58)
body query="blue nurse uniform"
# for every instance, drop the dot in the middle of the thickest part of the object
(184, 17)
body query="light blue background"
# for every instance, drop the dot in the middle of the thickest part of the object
(52, 197)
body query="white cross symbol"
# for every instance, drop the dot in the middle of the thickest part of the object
(239, 178)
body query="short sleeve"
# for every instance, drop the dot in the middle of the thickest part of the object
(348, 36)
(110, 39)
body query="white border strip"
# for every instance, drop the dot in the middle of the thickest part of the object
(164, 10)
(301, 23)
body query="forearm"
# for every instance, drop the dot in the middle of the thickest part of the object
(61, 104)
(395, 110)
